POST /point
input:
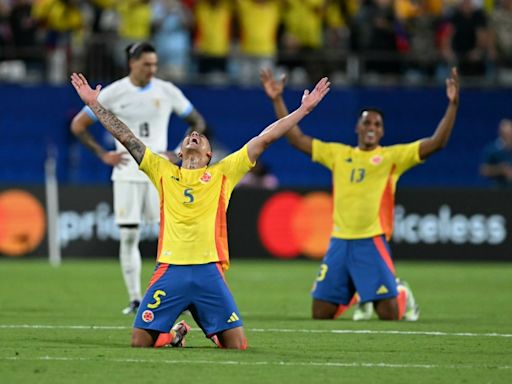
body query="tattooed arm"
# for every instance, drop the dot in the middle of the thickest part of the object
(115, 126)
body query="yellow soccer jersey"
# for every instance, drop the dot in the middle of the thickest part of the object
(193, 205)
(213, 37)
(258, 27)
(364, 185)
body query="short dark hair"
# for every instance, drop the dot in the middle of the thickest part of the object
(135, 50)
(371, 109)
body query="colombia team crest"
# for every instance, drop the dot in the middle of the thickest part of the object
(206, 177)
(376, 160)
(148, 316)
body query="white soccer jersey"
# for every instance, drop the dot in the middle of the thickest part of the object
(146, 111)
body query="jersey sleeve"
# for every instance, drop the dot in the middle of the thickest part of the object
(181, 105)
(406, 156)
(323, 153)
(152, 165)
(236, 165)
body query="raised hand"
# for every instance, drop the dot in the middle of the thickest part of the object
(452, 87)
(311, 100)
(86, 93)
(272, 88)
(111, 123)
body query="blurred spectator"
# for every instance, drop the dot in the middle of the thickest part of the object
(102, 10)
(101, 61)
(258, 21)
(61, 20)
(339, 16)
(421, 20)
(5, 32)
(134, 26)
(406, 9)
(23, 26)
(497, 157)
(213, 36)
(315, 37)
(339, 21)
(23, 29)
(501, 34)
(259, 177)
(465, 42)
(376, 36)
(173, 25)
(302, 39)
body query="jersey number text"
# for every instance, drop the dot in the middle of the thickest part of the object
(357, 175)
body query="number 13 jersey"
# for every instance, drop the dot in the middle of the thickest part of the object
(364, 185)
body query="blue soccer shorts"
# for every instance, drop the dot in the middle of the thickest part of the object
(199, 288)
(360, 265)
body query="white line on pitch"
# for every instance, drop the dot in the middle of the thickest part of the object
(277, 330)
(259, 363)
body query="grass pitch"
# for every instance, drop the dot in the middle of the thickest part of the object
(64, 325)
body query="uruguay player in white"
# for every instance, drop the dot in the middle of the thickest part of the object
(144, 103)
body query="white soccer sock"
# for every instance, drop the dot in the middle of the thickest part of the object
(129, 256)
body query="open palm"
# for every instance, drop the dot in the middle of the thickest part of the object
(452, 86)
(311, 100)
(272, 88)
(86, 93)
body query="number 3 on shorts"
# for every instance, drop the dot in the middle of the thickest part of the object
(323, 272)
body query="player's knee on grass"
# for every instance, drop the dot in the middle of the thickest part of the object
(232, 339)
(323, 310)
(387, 309)
(142, 338)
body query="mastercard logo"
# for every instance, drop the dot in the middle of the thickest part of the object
(22, 222)
(290, 224)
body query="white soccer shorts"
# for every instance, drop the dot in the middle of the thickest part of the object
(135, 202)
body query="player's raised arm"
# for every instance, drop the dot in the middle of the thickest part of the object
(444, 129)
(274, 90)
(258, 144)
(115, 126)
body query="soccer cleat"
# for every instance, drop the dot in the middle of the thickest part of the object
(363, 311)
(412, 309)
(132, 308)
(180, 331)
(412, 314)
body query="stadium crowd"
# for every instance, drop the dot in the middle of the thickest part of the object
(223, 41)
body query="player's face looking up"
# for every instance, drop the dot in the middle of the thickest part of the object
(197, 143)
(143, 68)
(370, 129)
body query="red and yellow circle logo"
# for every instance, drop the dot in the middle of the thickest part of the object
(290, 224)
(148, 316)
(22, 222)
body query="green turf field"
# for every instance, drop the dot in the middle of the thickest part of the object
(63, 325)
